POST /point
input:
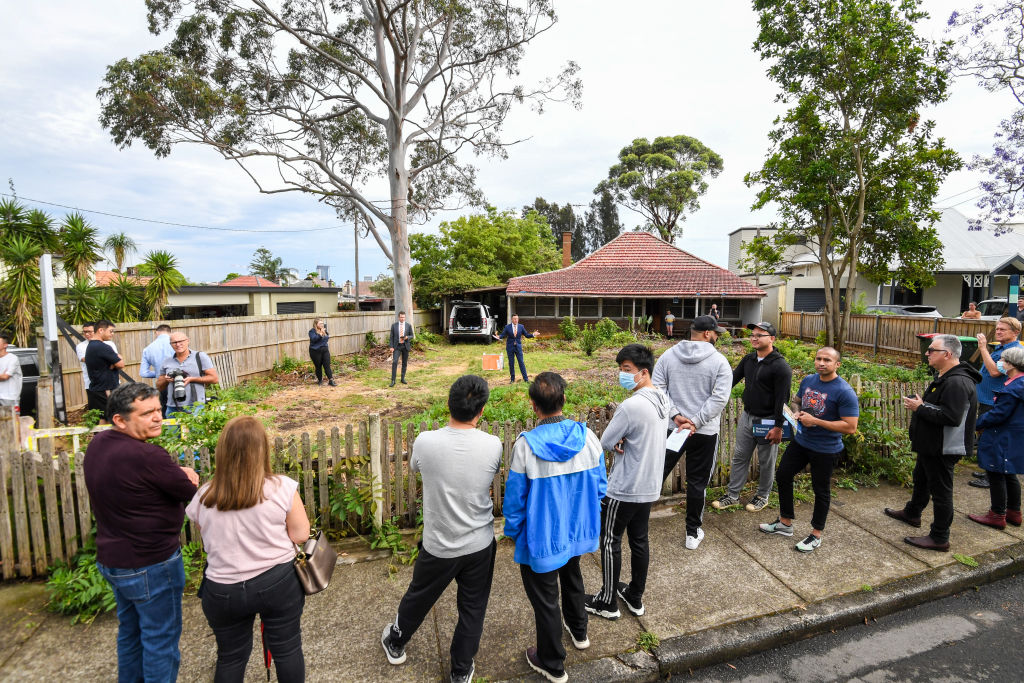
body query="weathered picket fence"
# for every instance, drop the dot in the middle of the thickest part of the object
(45, 515)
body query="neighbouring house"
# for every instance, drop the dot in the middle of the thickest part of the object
(978, 265)
(105, 277)
(368, 299)
(635, 275)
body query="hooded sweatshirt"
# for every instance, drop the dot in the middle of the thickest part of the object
(698, 381)
(950, 402)
(641, 422)
(552, 506)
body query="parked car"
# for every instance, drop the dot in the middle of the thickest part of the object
(29, 359)
(471, 320)
(993, 309)
(907, 309)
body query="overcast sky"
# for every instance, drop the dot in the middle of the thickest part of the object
(649, 68)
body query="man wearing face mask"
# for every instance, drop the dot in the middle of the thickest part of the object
(992, 375)
(636, 434)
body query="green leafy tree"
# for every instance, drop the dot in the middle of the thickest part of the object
(337, 96)
(601, 224)
(662, 180)
(384, 287)
(80, 248)
(39, 227)
(20, 285)
(123, 300)
(121, 247)
(479, 251)
(162, 267)
(264, 264)
(852, 169)
(231, 276)
(80, 304)
(562, 219)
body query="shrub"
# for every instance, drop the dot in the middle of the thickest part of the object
(78, 589)
(199, 429)
(371, 340)
(91, 418)
(569, 329)
(287, 365)
(590, 339)
(606, 329)
(360, 362)
(876, 451)
(821, 339)
(623, 338)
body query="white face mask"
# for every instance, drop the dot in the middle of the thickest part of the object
(1000, 367)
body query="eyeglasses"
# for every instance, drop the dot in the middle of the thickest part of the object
(930, 350)
(181, 341)
(759, 336)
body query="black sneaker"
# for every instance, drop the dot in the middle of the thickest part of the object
(581, 644)
(331, 383)
(602, 609)
(554, 676)
(634, 606)
(466, 677)
(395, 654)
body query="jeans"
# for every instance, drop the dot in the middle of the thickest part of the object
(149, 619)
(700, 464)
(742, 453)
(514, 355)
(542, 591)
(933, 478)
(230, 608)
(618, 517)
(321, 363)
(794, 460)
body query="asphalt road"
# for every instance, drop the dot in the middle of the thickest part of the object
(972, 636)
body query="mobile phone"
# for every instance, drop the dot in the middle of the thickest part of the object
(910, 396)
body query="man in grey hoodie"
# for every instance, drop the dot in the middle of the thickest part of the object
(636, 434)
(698, 381)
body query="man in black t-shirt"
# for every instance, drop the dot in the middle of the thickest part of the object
(102, 364)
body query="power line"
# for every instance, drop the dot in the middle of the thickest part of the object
(944, 199)
(151, 220)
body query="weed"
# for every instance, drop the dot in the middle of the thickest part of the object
(287, 365)
(647, 641)
(78, 589)
(606, 329)
(590, 340)
(866, 587)
(371, 340)
(569, 329)
(966, 560)
(846, 483)
(91, 418)
(360, 362)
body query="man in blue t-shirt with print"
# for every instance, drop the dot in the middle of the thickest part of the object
(828, 408)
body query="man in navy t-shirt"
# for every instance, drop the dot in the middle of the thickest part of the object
(828, 408)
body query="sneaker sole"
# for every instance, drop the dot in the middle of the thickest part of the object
(578, 644)
(777, 532)
(719, 506)
(547, 675)
(802, 550)
(635, 612)
(393, 660)
(604, 613)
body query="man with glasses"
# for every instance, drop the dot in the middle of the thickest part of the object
(941, 432)
(186, 374)
(698, 380)
(992, 378)
(767, 385)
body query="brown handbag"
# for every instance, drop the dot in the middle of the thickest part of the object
(315, 562)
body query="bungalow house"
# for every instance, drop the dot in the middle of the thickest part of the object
(635, 275)
(978, 265)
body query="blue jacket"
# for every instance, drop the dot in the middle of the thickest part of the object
(513, 335)
(999, 446)
(552, 506)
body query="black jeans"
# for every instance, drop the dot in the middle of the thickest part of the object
(404, 353)
(277, 596)
(542, 591)
(321, 362)
(933, 478)
(618, 516)
(431, 575)
(794, 460)
(700, 463)
(1004, 490)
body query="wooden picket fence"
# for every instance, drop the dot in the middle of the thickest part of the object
(45, 516)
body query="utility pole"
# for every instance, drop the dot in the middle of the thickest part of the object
(355, 226)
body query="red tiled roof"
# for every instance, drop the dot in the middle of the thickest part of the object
(641, 265)
(105, 277)
(249, 281)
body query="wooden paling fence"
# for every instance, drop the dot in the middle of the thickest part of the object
(45, 516)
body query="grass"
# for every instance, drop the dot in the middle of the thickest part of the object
(647, 641)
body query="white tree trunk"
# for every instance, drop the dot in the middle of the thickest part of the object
(398, 177)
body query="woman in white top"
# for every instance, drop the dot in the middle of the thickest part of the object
(249, 519)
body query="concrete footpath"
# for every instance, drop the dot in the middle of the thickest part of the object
(742, 591)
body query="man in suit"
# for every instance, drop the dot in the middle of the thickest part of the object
(513, 335)
(400, 343)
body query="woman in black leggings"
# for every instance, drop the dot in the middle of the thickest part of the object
(320, 352)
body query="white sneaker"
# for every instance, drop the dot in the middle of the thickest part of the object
(693, 541)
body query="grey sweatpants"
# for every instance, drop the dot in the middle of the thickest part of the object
(742, 452)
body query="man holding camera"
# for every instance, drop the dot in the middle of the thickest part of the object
(184, 376)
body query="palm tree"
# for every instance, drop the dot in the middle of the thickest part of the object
(80, 248)
(265, 265)
(81, 302)
(163, 268)
(120, 246)
(124, 299)
(13, 218)
(39, 227)
(20, 286)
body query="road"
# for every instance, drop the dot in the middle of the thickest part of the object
(970, 636)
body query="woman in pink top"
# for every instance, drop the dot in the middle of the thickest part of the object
(249, 519)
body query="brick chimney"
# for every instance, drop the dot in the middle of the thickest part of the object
(566, 249)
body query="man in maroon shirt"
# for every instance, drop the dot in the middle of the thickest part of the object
(138, 495)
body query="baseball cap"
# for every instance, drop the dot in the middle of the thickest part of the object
(766, 326)
(704, 323)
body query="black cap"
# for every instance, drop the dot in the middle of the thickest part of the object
(705, 323)
(766, 326)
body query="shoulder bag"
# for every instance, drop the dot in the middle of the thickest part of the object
(315, 562)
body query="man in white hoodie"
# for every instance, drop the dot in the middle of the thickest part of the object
(698, 381)
(636, 434)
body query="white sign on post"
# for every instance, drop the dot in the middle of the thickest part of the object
(50, 332)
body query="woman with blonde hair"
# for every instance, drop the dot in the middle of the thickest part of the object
(249, 519)
(320, 351)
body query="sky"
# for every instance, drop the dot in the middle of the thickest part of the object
(649, 68)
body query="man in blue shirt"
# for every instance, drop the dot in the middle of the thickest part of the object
(513, 335)
(153, 357)
(1006, 334)
(828, 408)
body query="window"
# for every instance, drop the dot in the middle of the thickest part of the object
(525, 306)
(690, 309)
(611, 308)
(295, 307)
(545, 307)
(564, 306)
(730, 309)
(587, 308)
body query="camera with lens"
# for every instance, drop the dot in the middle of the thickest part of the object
(178, 377)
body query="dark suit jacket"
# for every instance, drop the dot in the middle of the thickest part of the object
(513, 336)
(396, 333)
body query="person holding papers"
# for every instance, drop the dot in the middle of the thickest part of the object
(636, 434)
(698, 380)
(828, 408)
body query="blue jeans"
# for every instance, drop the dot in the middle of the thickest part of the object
(149, 619)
